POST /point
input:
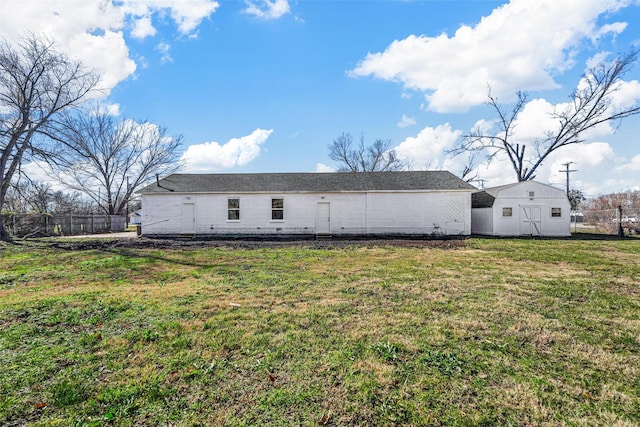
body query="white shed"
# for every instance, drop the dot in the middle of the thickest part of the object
(527, 208)
(344, 203)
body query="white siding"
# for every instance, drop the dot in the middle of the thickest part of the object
(506, 225)
(482, 221)
(350, 213)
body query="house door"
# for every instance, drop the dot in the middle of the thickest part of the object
(531, 220)
(188, 225)
(323, 219)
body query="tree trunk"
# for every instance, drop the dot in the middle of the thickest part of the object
(4, 233)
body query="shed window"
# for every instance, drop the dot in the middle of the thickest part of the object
(556, 212)
(233, 209)
(277, 209)
(532, 194)
(507, 212)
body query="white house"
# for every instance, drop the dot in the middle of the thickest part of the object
(342, 203)
(135, 217)
(526, 208)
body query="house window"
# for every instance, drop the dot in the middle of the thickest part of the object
(507, 212)
(556, 212)
(233, 209)
(277, 209)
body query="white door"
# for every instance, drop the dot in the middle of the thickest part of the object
(323, 219)
(531, 220)
(188, 218)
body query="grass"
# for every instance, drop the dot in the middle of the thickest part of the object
(488, 332)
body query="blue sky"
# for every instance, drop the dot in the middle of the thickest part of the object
(265, 86)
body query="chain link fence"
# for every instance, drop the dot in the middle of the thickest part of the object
(26, 225)
(606, 221)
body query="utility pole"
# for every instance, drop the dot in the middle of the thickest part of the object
(567, 171)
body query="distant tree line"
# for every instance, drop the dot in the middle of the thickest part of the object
(628, 200)
(38, 197)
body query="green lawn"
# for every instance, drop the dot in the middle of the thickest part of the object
(478, 332)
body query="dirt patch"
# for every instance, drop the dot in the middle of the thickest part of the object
(152, 243)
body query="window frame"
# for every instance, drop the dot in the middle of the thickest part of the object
(231, 209)
(277, 209)
(505, 210)
(559, 212)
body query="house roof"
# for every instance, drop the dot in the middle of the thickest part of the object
(308, 182)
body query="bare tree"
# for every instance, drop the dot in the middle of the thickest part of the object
(591, 105)
(108, 159)
(36, 83)
(377, 157)
(29, 196)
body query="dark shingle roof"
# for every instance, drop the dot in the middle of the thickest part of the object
(308, 182)
(482, 199)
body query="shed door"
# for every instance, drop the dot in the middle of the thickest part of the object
(323, 219)
(531, 220)
(188, 218)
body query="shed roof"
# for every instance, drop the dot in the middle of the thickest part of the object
(486, 197)
(308, 182)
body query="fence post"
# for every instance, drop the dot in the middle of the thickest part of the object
(620, 232)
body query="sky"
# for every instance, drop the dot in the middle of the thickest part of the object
(267, 85)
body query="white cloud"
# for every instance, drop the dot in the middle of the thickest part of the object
(187, 14)
(594, 164)
(536, 120)
(506, 49)
(113, 109)
(626, 95)
(425, 149)
(89, 48)
(633, 165)
(613, 28)
(143, 28)
(406, 121)
(87, 29)
(267, 9)
(165, 52)
(109, 109)
(321, 167)
(40, 171)
(212, 156)
(584, 157)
